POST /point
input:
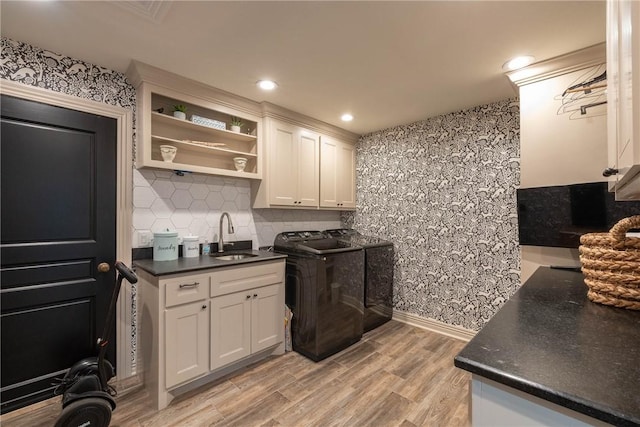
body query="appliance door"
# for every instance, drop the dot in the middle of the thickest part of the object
(378, 297)
(326, 295)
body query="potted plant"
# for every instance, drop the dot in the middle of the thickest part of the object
(180, 111)
(236, 124)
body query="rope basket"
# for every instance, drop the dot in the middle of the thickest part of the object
(611, 265)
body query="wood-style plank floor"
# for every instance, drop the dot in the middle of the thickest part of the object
(397, 375)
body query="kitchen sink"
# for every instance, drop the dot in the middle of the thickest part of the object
(231, 257)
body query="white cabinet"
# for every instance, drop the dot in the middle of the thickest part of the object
(230, 328)
(293, 165)
(337, 174)
(623, 96)
(308, 164)
(203, 140)
(245, 322)
(187, 335)
(197, 327)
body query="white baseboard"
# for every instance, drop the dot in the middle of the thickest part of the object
(434, 325)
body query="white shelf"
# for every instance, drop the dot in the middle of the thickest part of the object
(190, 126)
(193, 146)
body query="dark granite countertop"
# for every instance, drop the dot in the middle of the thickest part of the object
(550, 341)
(203, 262)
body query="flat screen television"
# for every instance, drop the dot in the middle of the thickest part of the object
(557, 216)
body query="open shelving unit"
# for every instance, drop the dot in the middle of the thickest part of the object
(200, 148)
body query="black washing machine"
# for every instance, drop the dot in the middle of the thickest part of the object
(324, 288)
(378, 277)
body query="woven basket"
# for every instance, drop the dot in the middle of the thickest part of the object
(611, 265)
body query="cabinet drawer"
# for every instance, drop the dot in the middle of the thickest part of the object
(235, 279)
(186, 289)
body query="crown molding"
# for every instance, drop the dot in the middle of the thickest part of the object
(297, 119)
(563, 64)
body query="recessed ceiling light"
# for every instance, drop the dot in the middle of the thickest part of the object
(518, 62)
(346, 117)
(266, 84)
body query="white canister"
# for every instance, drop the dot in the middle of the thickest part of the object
(165, 245)
(190, 247)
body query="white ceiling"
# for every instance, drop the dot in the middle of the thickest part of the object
(386, 62)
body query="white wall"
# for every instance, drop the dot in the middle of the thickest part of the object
(559, 147)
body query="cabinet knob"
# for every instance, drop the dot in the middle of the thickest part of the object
(204, 307)
(255, 295)
(248, 296)
(609, 172)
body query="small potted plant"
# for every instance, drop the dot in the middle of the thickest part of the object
(180, 111)
(236, 124)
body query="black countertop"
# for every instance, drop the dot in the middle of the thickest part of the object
(203, 262)
(550, 341)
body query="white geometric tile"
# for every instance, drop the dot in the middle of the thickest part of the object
(199, 191)
(198, 177)
(143, 218)
(199, 208)
(243, 201)
(215, 181)
(162, 208)
(242, 218)
(243, 186)
(215, 200)
(229, 207)
(162, 174)
(148, 174)
(162, 224)
(181, 199)
(181, 218)
(143, 197)
(163, 188)
(213, 218)
(139, 179)
(200, 228)
(186, 178)
(229, 192)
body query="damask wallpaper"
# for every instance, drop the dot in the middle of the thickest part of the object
(444, 191)
(42, 68)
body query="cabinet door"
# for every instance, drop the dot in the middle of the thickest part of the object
(267, 317)
(186, 342)
(308, 168)
(230, 328)
(328, 172)
(337, 174)
(283, 164)
(346, 173)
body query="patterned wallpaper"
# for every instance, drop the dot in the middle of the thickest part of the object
(444, 190)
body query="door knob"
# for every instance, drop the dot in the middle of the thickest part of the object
(103, 267)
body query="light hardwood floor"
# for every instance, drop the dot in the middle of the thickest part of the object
(397, 375)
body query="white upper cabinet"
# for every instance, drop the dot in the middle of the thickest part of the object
(623, 96)
(293, 165)
(308, 164)
(337, 174)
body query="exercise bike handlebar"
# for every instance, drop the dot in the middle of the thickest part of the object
(126, 272)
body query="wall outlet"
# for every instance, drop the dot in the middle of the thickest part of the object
(144, 238)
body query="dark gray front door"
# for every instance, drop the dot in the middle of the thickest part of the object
(58, 218)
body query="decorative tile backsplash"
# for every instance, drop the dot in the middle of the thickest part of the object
(193, 203)
(444, 191)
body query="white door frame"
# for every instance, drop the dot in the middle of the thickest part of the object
(124, 196)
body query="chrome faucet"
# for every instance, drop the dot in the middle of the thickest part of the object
(230, 230)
